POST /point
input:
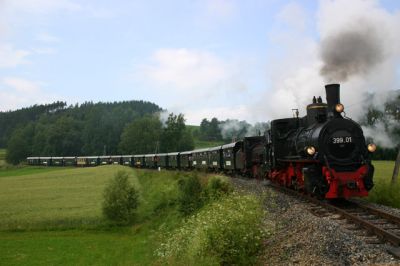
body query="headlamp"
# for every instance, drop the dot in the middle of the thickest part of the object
(371, 147)
(310, 150)
(339, 108)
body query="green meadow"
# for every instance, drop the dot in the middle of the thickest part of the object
(384, 192)
(54, 217)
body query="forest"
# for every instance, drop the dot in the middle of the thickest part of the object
(90, 128)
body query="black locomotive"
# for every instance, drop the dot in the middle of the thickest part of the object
(323, 153)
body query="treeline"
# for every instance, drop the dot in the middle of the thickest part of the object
(228, 130)
(90, 129)
(9, 121)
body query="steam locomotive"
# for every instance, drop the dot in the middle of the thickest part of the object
(323, 153)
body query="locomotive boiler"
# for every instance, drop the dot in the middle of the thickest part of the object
(324, 153)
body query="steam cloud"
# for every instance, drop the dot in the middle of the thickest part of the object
(233, 128)
(351, 52)
(359, 47)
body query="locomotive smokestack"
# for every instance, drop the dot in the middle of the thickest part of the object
(332, 97)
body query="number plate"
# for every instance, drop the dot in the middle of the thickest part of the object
(341, 140)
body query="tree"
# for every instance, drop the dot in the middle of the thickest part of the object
(396, 168)
(19, 145)
(175, 136)
(210, 130)
(141, 136)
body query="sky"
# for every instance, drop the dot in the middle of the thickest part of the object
(253, 60)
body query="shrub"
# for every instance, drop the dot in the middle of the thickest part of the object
(226, 232)
(190, 194)
(120, 200)
(218, 186)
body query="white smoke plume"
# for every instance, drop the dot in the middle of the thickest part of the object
(381, 133)
(163, 115)
(235, 129)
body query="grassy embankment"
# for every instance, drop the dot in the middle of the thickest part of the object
(200, 144)
(53, 216)
(384, 192)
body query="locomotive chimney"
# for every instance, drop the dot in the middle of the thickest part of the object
(332, 97)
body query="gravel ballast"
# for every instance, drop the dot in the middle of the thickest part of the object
(301, 237)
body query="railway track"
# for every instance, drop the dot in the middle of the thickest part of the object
(379, 226)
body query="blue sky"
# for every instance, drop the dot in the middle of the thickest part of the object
(205, 58)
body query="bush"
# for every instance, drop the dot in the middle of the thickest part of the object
(190, 194)
(218, 186)
(226, 232)
(120, 200)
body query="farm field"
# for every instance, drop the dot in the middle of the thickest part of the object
(54, 217)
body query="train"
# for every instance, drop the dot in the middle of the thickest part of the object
(324, 153)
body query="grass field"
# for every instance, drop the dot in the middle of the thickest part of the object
(199, 144)
(384, 192)
(53, 216)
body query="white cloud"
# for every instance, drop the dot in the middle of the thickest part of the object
(183, 79)
(11, 57)
(185, 71)
(17, 93)
(294, 15)
(40, 6)
(22, 85)
(195, 115)
(44, 50)
(47, 38)
(221, 8)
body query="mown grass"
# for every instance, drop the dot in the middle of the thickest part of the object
(55, 217)
(384, 192)
(23, 170)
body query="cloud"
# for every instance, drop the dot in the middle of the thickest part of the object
(293, 15)
(40, 6)
(221, 8)
(185, 71)
(47, 38)
(195, 115)
(182, 79)
(11, 57)
(18, 92)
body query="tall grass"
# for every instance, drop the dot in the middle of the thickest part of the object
(384, 192)
(229, 231)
